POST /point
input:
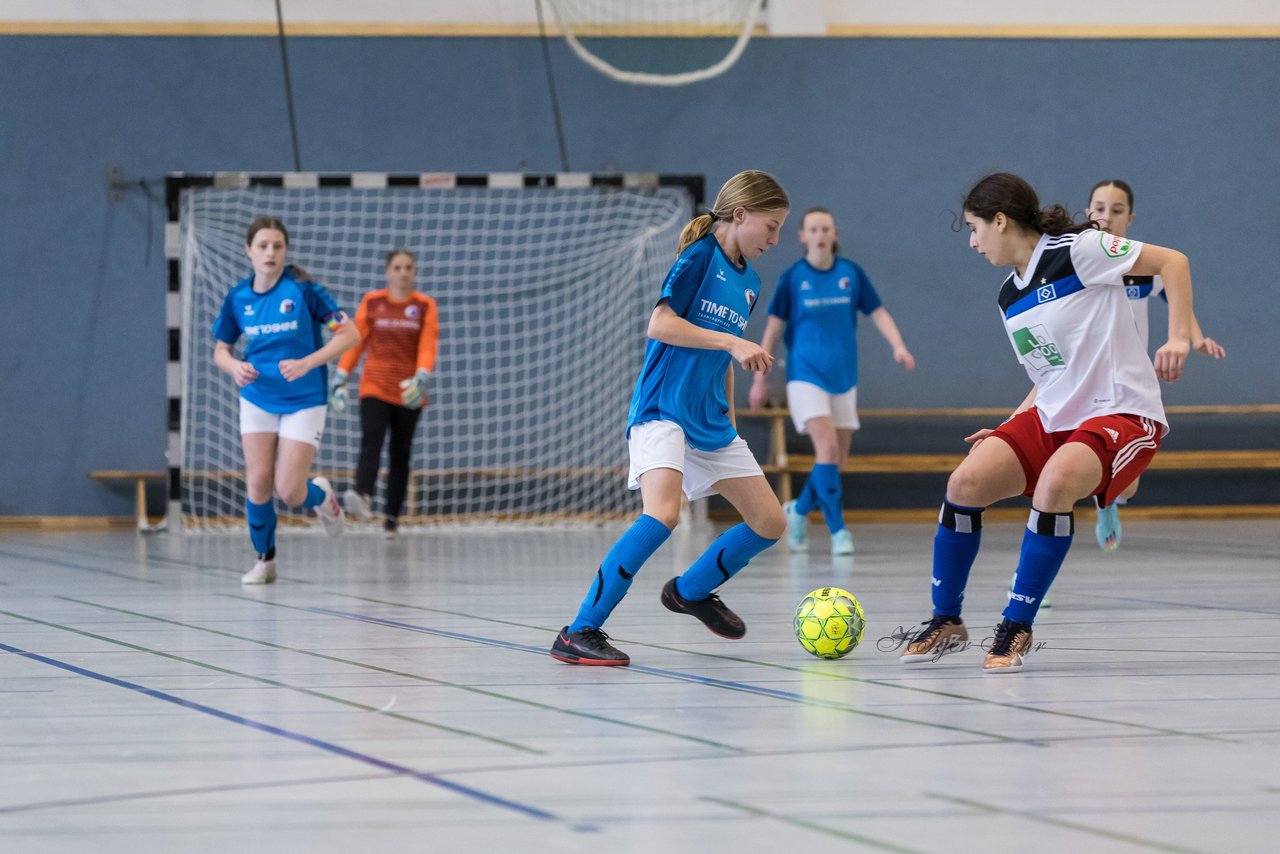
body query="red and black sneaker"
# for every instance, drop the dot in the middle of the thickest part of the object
(713, 613)
(589, 646)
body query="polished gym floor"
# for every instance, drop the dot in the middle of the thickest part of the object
(398, 696)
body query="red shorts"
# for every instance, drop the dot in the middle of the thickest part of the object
(1124, 443)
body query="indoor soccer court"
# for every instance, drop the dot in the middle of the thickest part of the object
(399, 695)
(451, 272)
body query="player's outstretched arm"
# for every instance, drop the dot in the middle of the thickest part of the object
(670, 328)
(759, 388)
(1171, 266)
(1203, 344)
(884, 323)
(344, 338)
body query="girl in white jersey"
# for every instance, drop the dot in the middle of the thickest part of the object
(681, 432)
(1092, 421)
(817, 301)
(1111, 207)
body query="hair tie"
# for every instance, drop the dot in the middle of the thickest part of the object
(713, 216)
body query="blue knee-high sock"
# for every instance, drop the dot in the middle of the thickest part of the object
(729, 553)
(829, 493)
(955, 547)
(315, 496)
(808, 498)
(262, 526)
(1044, 547)
(613, 578)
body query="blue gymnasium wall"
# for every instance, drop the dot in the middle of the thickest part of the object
(887, 133)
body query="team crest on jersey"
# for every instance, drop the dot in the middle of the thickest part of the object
(1035, 348)
(411, 312)
(1133, 292)
(1046, 294)
(751, 297)
(844, 283)
(805, 286)
(1114, 247)
(286, 306)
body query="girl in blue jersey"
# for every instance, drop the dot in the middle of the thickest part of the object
(818, 299)
(681, 432)
(1111, 207)
(283, 385)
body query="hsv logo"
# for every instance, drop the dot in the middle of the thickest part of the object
(1114, 247)
(1045, 294)
(411, 311)
(751, 297)
(286, 306)
(1133, 293)
(844, 283)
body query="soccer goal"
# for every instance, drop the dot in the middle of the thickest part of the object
(544, 285)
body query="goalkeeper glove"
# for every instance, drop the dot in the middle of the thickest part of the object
(414, 390)
(338, 392)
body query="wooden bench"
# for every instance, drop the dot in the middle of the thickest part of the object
(784, 465)
(140, 479)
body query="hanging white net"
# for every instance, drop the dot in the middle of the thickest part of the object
(658, 42)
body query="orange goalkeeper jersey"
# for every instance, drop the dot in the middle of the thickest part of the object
(397, 337)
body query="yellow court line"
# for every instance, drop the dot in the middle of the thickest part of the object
(480, 30)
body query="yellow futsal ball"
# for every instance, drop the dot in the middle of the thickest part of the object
(829, 622)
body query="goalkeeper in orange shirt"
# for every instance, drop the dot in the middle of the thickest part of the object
(399, 329)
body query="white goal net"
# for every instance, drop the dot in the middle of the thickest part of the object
(658, 42)
(543, 292)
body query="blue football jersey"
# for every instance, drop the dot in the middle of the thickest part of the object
(283, 323)
(686, 384)
(820, 308)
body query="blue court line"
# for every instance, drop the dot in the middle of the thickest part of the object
(69, 565)
(329, 747)
(709, 681)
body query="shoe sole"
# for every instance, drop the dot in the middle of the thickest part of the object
(1013, 668)
(950, 646)
(594, 662)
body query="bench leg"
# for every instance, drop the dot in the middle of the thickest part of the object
(140, 508)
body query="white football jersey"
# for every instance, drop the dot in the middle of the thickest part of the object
(1072, 328)
(1140, 290)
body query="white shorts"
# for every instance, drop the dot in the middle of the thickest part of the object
(661, 445)
(305, 425)
(806, 400)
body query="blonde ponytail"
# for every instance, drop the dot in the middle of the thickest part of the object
(696, 229)
(752, 190)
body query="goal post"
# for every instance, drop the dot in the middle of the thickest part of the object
(543, 282)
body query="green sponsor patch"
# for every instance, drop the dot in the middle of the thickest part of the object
(1033, 344)
(1114, 247)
